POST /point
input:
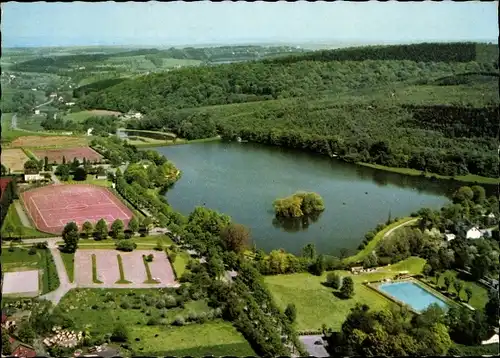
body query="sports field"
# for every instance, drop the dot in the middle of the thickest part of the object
(56, 155)
(53, 206)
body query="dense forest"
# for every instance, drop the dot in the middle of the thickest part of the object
(424, 52)
(397, 113)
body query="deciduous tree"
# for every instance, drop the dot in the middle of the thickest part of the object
(116, 228)
(235, 237)
(133, 225)
(71, 237)
(347, 289)
(88, 228)
(101, 229)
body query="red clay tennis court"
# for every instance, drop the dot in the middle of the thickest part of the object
(53, 206)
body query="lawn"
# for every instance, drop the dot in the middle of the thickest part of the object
(317, 304)
(90, 180)
(479, 293)
(143, 243)
(20, 260)
(470, 178)
(374, 242)
(181, 261)
(69, 264)
(216, 338)
(12, 218)
(31, 123)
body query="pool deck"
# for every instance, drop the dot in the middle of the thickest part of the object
(375, 286)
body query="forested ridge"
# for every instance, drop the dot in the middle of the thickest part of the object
(388, 112)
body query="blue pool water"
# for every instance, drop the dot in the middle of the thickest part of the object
(412, 294)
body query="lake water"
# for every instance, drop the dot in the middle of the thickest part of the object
(243, 179)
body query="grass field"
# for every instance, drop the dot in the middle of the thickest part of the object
(479, 293)
(83, 115)
(470, 178)
(180, 263)
(31, 123)
(317, 304)
(213, 338)
(374, 242)
(13, 220)
(90, 180)
(102, 309)
(69, 264)
(143, 243)
(21, 260)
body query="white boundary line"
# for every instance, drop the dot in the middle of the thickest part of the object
(33, 202)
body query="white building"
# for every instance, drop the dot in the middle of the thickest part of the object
(32, 177)
(449, 237)
(89, 131)
(474, 233)
(70, 104)
(37, 111)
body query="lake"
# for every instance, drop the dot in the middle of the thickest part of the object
(243, 179)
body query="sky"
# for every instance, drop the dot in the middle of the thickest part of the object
(201, 23)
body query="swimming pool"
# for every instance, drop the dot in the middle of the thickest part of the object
(412, 294)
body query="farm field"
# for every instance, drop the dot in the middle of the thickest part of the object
(102, 309)
(83, 115)
(317, 304)
(14, 159)
(50, 141)
(56, 155)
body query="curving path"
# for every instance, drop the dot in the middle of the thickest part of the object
(388, 233)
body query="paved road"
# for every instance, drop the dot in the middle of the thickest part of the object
(22, 214)
(43, 104)
(315, 350)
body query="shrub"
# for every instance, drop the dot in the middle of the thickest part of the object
(192, 316)
(126, 245)
(149, 258)
(170, 301)
(41, 245)
(32, 251)
(186, 277)
(333, 280)
(179, 321)
(125, 305)
(120, 333)
(153, 321)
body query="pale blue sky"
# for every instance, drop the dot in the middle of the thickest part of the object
(179, 23)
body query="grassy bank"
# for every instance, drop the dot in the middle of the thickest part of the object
(13, 221)
(374, 242)
(470, 178)
(148, 142)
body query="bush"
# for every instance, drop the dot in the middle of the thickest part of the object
(41, 245)
(186, 277)
(333, 280)
(179, 321)
(149, 258)
(120, 333)
(32, 251)
(126, 245)
(170, 301)
(125, 305)
(153, 321)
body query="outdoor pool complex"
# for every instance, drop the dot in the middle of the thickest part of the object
(412, 294)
